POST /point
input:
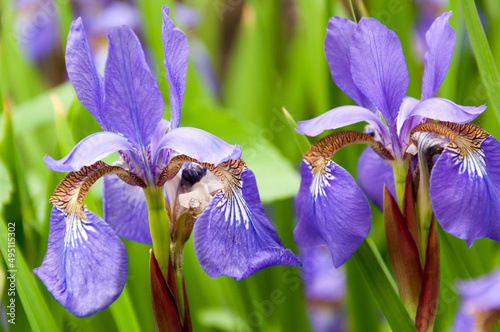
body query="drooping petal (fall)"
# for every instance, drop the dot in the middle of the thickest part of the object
(337, 43)
(126, 210)
(175, 47)
(373, 173)
(233, 236)
(85, 267)
(379, 69)
(340, 117)
(133, 104)
(82, 72)
(465, 185)
(89, 150)
(440, 39)
(331, 209)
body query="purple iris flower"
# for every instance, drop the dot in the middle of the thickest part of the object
(367, 63)
(36, 28)
(325, 288)
(480, 306)
(427, 12)
(85, 267)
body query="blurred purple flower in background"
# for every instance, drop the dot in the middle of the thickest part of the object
(189, 19)
(36, 28)
(38, 33)
(480, 305)
(325, 288)
(427, 12)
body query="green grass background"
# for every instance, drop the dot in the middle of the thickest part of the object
(274, 58)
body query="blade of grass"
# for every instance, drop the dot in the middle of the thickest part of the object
(124, 313)
(37, 311)
(484, 56)
(301, 140)
(382, 286)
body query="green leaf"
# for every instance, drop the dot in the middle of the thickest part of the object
(382, 286)
(302, 142)
(223, 319)
(5, 184)
(276, 178)
(124, 314)
(40, 110)
(37, 311)
(484, 56)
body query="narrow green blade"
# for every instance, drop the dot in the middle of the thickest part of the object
(484, 56)
(37, 310)
(382, 286)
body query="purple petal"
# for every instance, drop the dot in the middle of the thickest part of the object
(340, 117)
(332, 211)
(126, 210)
(233, 236)
(337, 42)
(465, 192)
(482, 293)
(89, 150)
(478, 295)
(134, 104)
(176, 51)
(82, 72)
(35, 31)
(322, 281)
(85, 267)
(440, 40)
(188, 17)
(464, 322)
(113, 15)
(200, 58)
(378, 67)
(373, 173)
(198, 144)
(407, 122)
(446, 110)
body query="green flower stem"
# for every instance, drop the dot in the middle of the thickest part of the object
(400, 169)
(180, 292)
(159, 227)
(424, 211)
(177, 249)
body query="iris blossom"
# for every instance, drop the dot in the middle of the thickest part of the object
(367, 63)
(85, 267)
(480, 306)
(325, 288)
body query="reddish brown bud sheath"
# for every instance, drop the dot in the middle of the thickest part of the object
(428, 303)
(409, 212)
(404, 255)
(164, 298)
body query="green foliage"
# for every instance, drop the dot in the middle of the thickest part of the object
(267, 55)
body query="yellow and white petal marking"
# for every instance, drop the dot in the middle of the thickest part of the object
(318, 156)
(235, 207)
(69, 194)
(466, 142)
